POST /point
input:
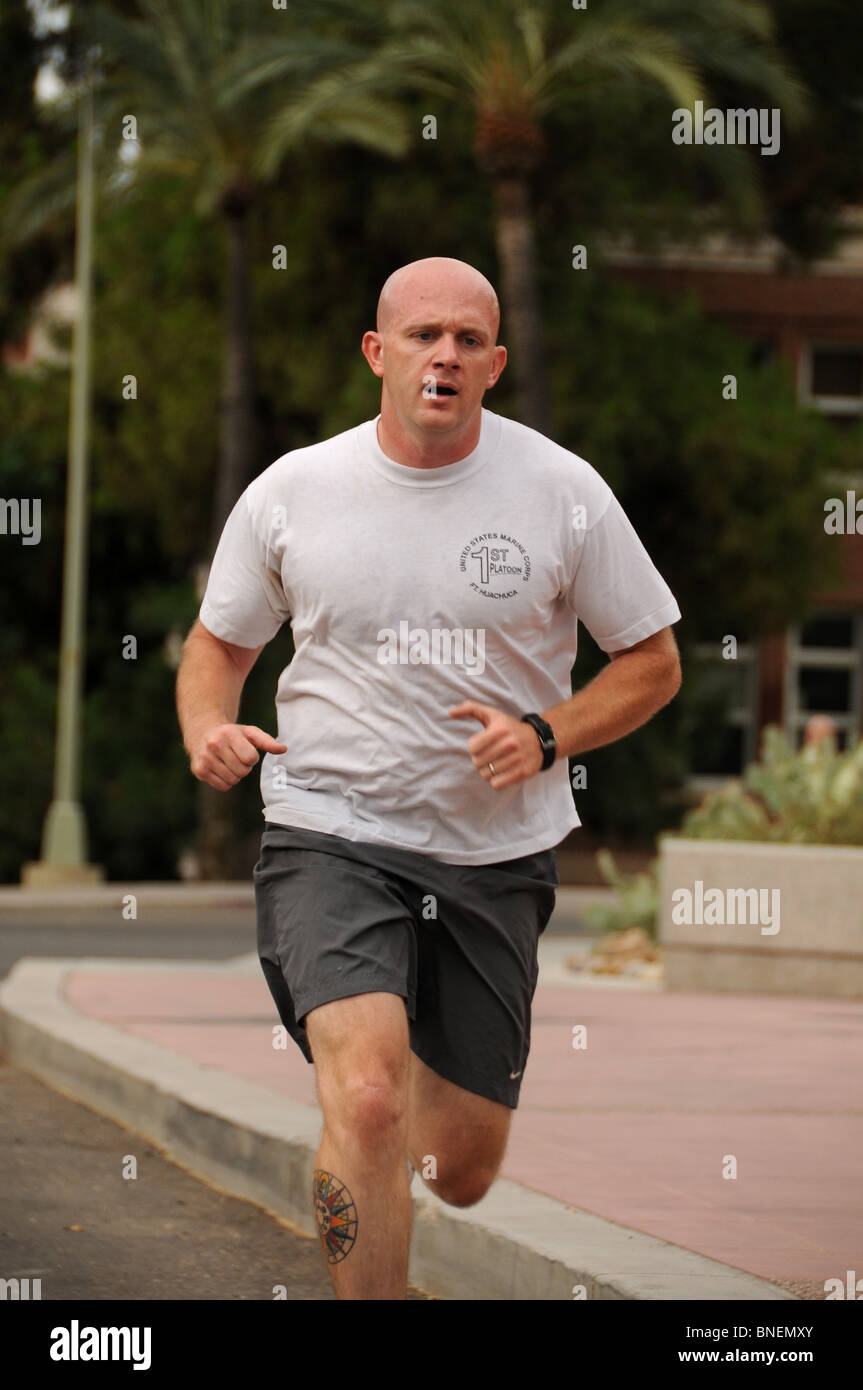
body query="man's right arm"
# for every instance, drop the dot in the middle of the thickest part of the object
(210, 681)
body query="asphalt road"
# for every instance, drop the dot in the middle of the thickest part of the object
(190, 933)
(69, 1217)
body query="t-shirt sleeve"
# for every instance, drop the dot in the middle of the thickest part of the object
(244, 602)
(616, 590)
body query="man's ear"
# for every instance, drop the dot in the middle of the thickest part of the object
(373, 351)
(498, 362)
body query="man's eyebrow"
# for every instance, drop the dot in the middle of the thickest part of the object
(426, 324)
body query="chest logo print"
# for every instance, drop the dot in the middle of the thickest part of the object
(496, 564)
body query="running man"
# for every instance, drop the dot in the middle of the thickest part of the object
(433, 564)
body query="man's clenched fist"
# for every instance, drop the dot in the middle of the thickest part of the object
(505, 744)
(226, 753)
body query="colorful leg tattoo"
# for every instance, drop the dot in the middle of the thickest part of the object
(336, 1216)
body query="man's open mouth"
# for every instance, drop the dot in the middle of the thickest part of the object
(443, 390)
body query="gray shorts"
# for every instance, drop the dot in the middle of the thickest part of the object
(458, 943)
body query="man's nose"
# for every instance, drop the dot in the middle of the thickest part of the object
(447, 354)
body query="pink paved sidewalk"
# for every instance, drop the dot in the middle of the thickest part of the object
(635, 1127)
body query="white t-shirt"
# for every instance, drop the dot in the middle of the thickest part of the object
(409, 591)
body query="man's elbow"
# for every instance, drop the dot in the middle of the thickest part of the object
(673, 679)
(669, 676)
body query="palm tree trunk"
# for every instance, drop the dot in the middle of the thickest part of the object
(237, 454)
(217, 832)
(517, 260)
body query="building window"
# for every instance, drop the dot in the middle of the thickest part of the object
(725, 729)
(831, 378)
(824, 674)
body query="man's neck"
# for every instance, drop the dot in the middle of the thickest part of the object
(423, 452)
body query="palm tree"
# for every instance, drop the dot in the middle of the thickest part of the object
(518, 62)
(207, 82)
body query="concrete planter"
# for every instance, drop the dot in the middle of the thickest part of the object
(763, 918)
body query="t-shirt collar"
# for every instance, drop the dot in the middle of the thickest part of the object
(407, 476)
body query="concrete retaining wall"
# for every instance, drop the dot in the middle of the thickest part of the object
(801, 934)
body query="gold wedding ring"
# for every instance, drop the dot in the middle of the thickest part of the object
(491, 768)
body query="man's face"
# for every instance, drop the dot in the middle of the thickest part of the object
(437, 356)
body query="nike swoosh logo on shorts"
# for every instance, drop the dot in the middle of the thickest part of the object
(514, 1075)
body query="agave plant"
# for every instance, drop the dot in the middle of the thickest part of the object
(636, 903)
(810, 796)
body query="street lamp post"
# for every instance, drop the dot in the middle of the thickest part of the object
(64, 834)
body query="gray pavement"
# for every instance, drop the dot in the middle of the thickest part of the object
(69, 1217)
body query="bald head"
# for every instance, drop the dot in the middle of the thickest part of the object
(412, 287)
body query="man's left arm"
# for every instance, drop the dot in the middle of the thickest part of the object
(636, 683)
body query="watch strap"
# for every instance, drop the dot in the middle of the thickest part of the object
(547, 740)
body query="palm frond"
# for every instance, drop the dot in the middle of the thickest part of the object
(345, 104)
(621, 48)
(260, 62)
(42, 198)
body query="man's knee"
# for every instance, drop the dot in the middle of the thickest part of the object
(464, 1187)
(360, 1047)
(368, 1103)
(457, 1139)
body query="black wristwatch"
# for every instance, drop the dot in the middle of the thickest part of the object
(547, 740)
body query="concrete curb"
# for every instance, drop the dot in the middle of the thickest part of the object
(515, 1244)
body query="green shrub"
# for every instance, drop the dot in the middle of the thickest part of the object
(636, 904)
(811, 796)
